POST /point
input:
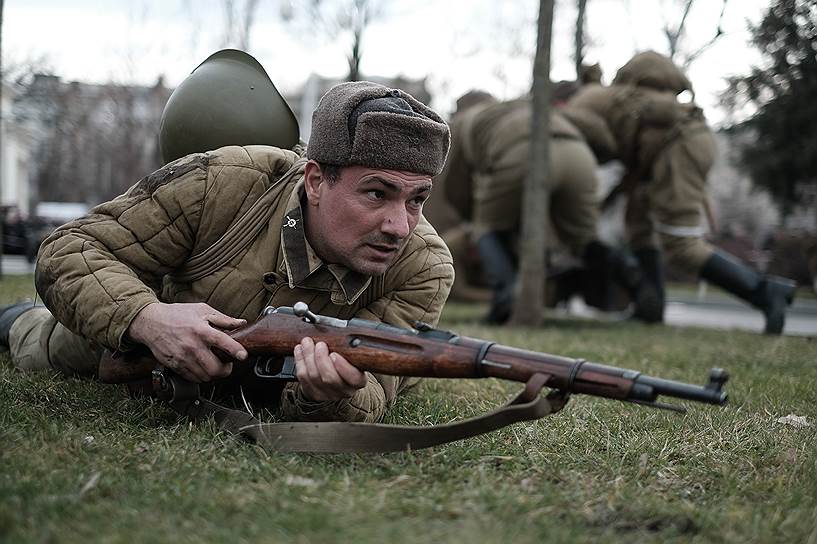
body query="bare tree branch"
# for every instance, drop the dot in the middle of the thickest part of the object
(718, 33)
(238, 26)
(22, 71)
(674, 35)
(229, 24)
(352, 18)
(246, 28)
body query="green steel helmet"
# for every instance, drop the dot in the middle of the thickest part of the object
(227, 100)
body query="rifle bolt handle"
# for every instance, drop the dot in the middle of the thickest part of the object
(301, 309)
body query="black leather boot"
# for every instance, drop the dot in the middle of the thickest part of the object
(499, 269)
(649, 296)
(561, 285)
(598, 275)
(769, 294)
(608, 271)
(8, 315)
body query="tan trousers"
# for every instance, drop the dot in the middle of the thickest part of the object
(572, 185)
(668, 210)
(38, 342)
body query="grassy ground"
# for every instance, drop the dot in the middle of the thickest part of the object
(81, 462)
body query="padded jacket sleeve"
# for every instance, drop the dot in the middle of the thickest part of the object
(98, 272)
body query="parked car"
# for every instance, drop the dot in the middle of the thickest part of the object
(23, 235)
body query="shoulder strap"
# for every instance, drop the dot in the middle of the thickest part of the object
(238, 236)
(338, 437)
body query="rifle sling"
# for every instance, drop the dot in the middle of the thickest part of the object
(339, 437)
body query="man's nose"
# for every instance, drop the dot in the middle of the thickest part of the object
(396, 222)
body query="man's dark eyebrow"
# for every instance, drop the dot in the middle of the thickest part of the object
(390, 185)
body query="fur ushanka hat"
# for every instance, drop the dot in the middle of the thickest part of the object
(366, 124)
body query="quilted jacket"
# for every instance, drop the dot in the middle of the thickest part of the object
(98, 272)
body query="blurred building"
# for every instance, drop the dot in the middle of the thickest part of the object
(16, 147)
(90, 142)
(304, 101)
(85, 143)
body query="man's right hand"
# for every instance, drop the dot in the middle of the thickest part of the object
(181, 337)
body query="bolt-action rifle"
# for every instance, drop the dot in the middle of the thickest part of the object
(422, 352)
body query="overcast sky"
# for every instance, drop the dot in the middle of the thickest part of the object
(457, 44)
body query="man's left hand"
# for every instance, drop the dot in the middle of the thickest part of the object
(325, 376)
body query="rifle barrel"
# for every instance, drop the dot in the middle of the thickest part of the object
(710, 393)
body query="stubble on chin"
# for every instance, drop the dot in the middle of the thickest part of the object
(369, 268)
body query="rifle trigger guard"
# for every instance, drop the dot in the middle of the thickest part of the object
(272, 368)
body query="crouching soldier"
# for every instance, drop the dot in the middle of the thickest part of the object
(668, 150)
(483, 180)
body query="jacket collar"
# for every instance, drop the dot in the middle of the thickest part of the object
(302, 265)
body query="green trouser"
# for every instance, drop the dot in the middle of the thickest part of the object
(667, 211)
(37, 341)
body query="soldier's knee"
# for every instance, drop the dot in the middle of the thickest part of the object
(27, 352)
(38, 342)
(367, 405)
(688, 253)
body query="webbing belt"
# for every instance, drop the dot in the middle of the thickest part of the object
(339, 437)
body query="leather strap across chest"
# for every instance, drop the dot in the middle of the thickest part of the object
(238, 236)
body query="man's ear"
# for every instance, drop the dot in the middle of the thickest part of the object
(313, 177)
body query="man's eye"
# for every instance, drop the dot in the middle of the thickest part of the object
(418, 201)
(375, 194)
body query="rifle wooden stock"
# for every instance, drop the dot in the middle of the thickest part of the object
(427, 352)
(126, 367)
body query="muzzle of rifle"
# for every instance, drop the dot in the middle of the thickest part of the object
(648, 389)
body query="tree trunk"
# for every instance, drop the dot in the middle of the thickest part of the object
(581, 6)
(535, 204)
(360, 18)
(355, 55)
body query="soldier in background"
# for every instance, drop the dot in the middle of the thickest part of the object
(483, 181)
(668, 150)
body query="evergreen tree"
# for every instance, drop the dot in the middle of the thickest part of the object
(780, 140)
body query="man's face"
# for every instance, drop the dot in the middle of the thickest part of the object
(363, 219)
